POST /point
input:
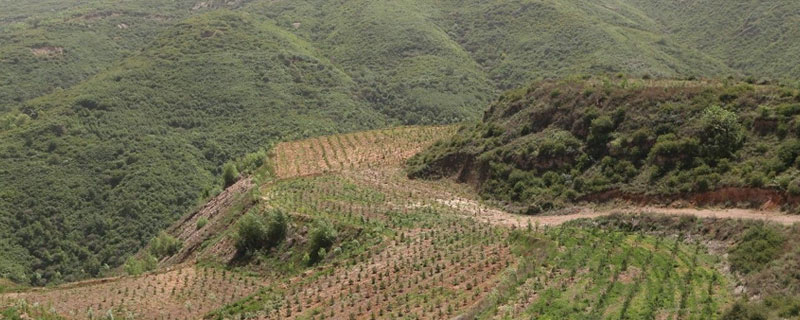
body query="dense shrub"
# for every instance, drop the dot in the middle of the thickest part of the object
(229, 174)
(251, 161)
(599, 134)
(721, 134)
(136, 266)
(759, 245)
(259, 231)
(788, 151)
(202, 222)
(323, 235)
(793, 187)
(742, 310)
(164, 245)
(670, 152)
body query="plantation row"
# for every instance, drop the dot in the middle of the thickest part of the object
(354, 150)
(182, 294)
(399, 254)
(594, 273)
(427, 275)
(185, 293)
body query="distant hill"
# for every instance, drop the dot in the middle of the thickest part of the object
(116, 117)
(559, 142)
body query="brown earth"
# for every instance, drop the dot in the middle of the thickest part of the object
(219, 214)
(180, 293)
(376, 148)
(764, 198)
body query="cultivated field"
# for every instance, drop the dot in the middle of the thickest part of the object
(182, 293)
(388, 147)
(403, 249)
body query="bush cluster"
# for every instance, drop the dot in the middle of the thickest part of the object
(164, 245)
(544, 150)
(261, 230)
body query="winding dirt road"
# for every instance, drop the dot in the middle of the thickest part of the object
(499, 217)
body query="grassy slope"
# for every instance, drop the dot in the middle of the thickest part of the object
(91, 35)
(406, 66)
(755, 37)
(517, 41)
(149, 112)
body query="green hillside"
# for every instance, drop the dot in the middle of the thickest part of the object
(113, 160)
(116, 116)
(756, 38)
(558, 142)
(51, 45)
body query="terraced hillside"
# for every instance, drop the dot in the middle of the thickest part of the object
(354, 150)
(362, 241)
(116, 117)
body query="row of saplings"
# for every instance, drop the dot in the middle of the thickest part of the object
(262, 230)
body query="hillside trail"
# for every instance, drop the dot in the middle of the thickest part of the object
(500, 217)
(462, 199)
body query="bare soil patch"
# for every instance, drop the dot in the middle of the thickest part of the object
(47, 51)
(217, 213)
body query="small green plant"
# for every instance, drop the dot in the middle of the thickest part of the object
(202, 222)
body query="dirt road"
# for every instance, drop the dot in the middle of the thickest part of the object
(499, 217)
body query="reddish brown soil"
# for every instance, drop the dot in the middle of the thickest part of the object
(728, 196)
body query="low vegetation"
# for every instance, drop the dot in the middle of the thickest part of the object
(759, 246)
(575, 272)
(761, 255)
(362, 241)
(558, 142)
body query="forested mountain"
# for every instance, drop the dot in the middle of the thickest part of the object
(116, 116)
